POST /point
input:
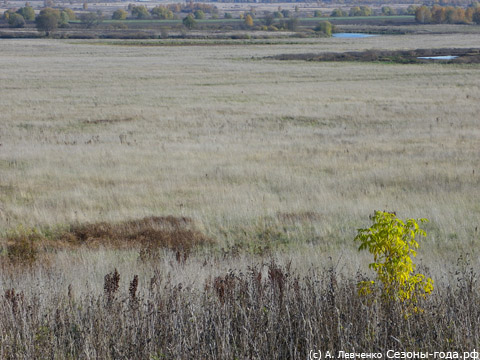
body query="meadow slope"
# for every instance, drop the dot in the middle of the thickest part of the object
(92, 132)
(122, 157)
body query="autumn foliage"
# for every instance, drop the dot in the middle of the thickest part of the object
(393, 244)
(447, 15)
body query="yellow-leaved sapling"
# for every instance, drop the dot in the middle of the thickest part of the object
(393, 244)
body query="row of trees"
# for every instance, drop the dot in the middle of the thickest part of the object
(290, 24)
(354, 11)
(18, 18)
(376, 3)
(190, 20)
(447, 15)
(141, 12)
(165, 12)
(49, 19)
(423, 14)
(367, 11)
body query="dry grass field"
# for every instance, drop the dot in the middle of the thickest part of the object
(268, 158)
(92, 132)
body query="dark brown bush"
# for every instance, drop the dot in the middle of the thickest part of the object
(22, 251)
(175, 233)
(111, 285)
(23, 245)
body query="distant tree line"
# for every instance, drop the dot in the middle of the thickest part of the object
(60, 17)
(376, 3)
(354, 11)
(365, 10)
(447, 14)
(166, 12)
(48, 19)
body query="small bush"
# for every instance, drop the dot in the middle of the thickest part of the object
(140, 12)
(189, 22)
(199, 14)
(324, 27)
(119, 14)
(70, 13)
(248, 21)
(22, 245)
(16, 21)
(118, 26)
(90, 19)
(338, 13)
(161, 12)
(27, 12)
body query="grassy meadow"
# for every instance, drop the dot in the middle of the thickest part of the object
(276, 163)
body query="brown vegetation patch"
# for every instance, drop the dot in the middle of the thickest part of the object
(464, 56)
(148, 234)
(176, 233)
(107, 121)
(293, 217)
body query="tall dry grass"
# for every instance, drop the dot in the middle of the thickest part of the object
(268, 310)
